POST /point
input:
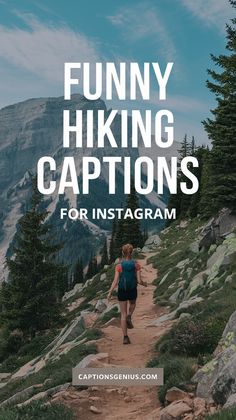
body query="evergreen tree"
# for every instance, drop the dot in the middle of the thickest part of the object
(222, 128)
(31, 296)
(92, 267)
(112, 255)
(79, 272)
(104, 259)
(131, 227)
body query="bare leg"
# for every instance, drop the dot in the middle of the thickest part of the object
(132, 306)
(123, 310)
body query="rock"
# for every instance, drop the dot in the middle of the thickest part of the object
(184, 315)
(163, 318)
(194, 247)
(103, 277)
(100, 305)
(112, 306)
(78, 287)
(95, 410)
(218, 227)
(188, 303)
(35, 397)
(164, 278)
(4, 376)
(112, 321)
(175, 411)
(196, 282)
(176, 295)
(182, 263)
(151, 243)
(229, 335)
(212, 249)
(231, 401)
(91, 359)
(175, 394)
(70, 332)
(199, 406)
(229, 279)
(224, 384)
(183, 224)
(127, 399)
(21, 395)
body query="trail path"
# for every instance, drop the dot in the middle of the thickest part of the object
(133, 403)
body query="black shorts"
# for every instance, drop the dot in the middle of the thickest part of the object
(124, 295)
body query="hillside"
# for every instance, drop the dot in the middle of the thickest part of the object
(181, 317)
(32, 129)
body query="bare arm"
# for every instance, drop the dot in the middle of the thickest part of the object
(114, 284)
(139, 280)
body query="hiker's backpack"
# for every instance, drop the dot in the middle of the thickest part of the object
(128, 279)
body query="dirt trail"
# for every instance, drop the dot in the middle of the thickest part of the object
(128, 402)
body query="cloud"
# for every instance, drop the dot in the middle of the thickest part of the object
(142, 21)
(42, 50)
(210, 12)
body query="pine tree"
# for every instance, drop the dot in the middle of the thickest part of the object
(92, 267)
(131, 227)
(222, 128)
(104, 259)
(112, 255)
(31, 296)
(79, 272)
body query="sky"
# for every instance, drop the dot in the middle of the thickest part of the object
(37, 37)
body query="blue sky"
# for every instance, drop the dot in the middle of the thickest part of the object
(37, 37)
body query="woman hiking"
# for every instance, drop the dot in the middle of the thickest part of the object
(127, 275)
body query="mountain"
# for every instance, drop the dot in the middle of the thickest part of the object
(32, 129)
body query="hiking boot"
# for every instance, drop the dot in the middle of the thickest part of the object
(126, 340)
(129, 322)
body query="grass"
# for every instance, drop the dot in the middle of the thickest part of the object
(178, 371)
(37, 411)
(113, 313)
(223, 415)
(27, 352)
(59, 372)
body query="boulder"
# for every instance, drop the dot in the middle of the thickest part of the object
(194, 247)
(21, 395)
(231, 402)
(183, 224)
(175, 411)
(4, 376)
(92, 359)
(196, 282)
(188, 303)
(199, 406)
(151, 243)
(182, 263)
(218, 227)
(217, 378)
(103, 277)
(223, 256)
(229, 335)
(224, 385)
(77, 288)
(163, 318)
(184, 315)
(100, 305)
(175, 394)
(176, 295)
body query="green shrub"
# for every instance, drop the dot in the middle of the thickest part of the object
(36, 411)
(113, 313)
(178, 371)
(192, 338)
(223, 415)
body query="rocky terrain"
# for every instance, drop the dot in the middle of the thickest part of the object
(184, 322)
